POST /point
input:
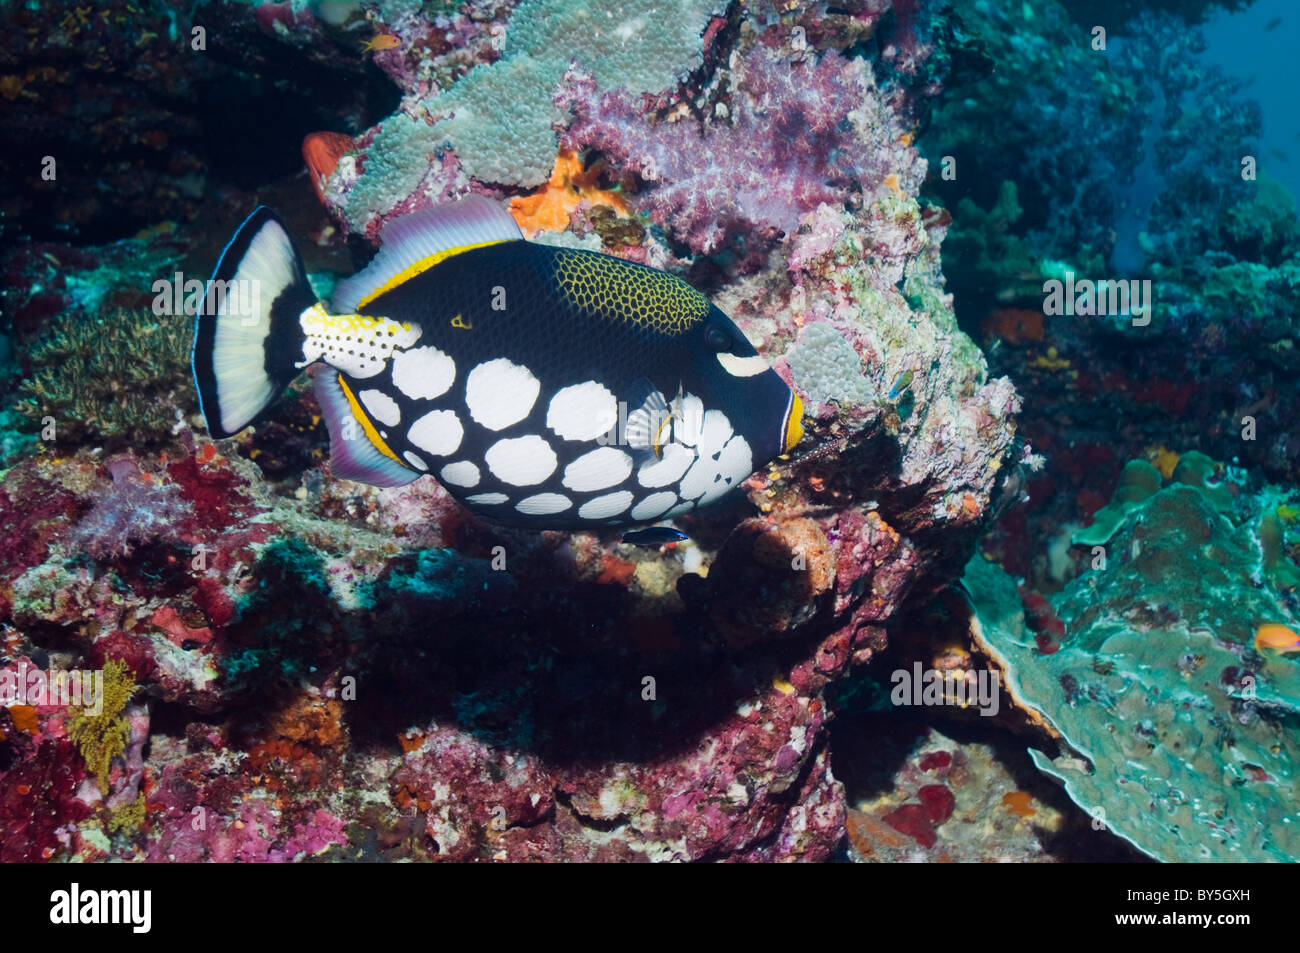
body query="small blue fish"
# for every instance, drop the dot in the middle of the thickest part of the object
(653, 536)
(900, 384)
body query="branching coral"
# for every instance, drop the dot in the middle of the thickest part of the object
(115, 378)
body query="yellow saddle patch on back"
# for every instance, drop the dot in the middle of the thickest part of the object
(642, 297)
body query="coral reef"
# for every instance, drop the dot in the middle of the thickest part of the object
(780, 140)
(1113, 177)
(1181, 729)
(330, 670)
(118, 378)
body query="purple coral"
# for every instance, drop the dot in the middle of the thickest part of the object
(135, 509)
(787, 138)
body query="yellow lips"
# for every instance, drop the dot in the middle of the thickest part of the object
(793, 424)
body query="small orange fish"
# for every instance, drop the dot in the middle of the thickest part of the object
(1276, 637)
(383, 41)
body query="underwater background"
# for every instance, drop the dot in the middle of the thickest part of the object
(1026, 590)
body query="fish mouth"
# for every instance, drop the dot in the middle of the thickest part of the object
(792, 426)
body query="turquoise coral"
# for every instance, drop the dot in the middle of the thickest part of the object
(1190, 732)
(501, 112)
(497, 119)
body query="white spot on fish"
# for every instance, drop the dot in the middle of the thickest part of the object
(710, 478)
(500, 393)
(742, 366)
(415, 460)
(653, 505)
(461, 473)
(543, 504)
(601, 468)
(668, 470)
(438, 432)
(603, 507)
(717, 431)
(382, 407)
(487, 499)
(582, 411)
(734, 464)
(691, 423)
(521, 461)
(423, 373)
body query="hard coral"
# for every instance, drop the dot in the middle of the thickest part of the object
(114, 379)
(1190, 731)
(494, 124)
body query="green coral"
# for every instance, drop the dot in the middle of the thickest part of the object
(825, 367)
(503, 111)
(396, 161)
(1140, 481)
(498, 117)
(117, 378)
(1136, 484)
(1190, 733)
(102, 737)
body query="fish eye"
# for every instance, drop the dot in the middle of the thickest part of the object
(718, 339)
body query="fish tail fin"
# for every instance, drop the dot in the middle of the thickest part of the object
(248, 339)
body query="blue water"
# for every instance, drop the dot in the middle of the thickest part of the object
(1242, 46)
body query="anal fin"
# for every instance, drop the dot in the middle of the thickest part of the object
(357, 452)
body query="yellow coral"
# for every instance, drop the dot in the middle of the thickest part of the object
(101, 738)
(1052, 361)
(1165, 461)
(127, 819)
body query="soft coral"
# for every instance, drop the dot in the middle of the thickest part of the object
(786, 144)
(135, 509)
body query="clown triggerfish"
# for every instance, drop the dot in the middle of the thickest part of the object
(545, 387)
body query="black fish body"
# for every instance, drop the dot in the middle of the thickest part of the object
(543, 386)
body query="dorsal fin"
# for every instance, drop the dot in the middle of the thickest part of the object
(418, 241)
